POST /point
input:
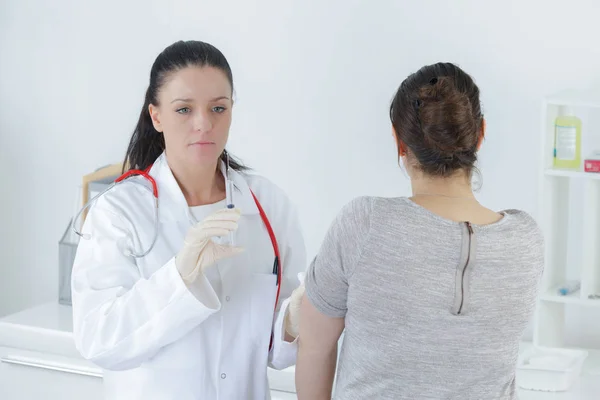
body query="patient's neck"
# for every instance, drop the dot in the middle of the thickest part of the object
(455, 186)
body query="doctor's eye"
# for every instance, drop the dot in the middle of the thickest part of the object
(183, 110)
(219, 109)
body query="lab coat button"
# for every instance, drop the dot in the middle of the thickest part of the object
(227, 298)
(223, 376)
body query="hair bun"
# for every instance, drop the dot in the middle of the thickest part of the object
(436, 114)
(446, 118)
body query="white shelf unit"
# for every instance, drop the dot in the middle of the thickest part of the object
(569, 214)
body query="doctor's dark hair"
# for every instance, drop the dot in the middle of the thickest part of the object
(437, 119)
(146, 143)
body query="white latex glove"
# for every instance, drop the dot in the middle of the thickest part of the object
(199, 251)
(292, 320)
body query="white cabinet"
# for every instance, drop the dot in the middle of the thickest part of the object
(28, 375)
(569, 213)
(38, 360)
(282, 384)
(277, 395)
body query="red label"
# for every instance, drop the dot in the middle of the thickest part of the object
(591, 165)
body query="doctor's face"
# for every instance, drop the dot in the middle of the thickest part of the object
(194, 114)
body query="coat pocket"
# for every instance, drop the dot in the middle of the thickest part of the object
(262, 307)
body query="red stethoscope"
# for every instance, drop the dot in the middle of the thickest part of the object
(277, 268)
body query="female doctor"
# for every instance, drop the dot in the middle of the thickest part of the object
(195, 317)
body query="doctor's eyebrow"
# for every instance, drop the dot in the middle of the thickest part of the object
(191, 100)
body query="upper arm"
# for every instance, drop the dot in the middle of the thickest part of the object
(102, 274)
(328, 276)
(101, 270)
(318, 332)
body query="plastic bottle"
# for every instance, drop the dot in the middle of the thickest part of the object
(569, 288)
(567, 140)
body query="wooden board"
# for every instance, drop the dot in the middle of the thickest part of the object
(101, 173)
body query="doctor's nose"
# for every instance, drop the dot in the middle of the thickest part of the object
(202, 122)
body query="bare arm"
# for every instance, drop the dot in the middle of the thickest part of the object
(325, 303)
(317, 352)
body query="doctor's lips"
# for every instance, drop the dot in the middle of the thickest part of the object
(202, 143)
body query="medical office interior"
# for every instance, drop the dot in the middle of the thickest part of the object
(313, 83)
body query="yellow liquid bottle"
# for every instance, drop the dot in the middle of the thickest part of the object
(567, 140)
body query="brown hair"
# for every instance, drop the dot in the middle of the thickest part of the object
(437, 117)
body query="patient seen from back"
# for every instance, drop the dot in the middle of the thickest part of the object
(433, 291)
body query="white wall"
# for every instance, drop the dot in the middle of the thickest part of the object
(314, 80)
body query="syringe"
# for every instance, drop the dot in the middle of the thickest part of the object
(230, 204)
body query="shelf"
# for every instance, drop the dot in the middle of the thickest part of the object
(590, 98)
(569, 299)
(569, 214)
(572, 173)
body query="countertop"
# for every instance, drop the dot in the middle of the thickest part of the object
(48, 328)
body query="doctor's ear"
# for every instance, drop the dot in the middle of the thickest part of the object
(154, 116)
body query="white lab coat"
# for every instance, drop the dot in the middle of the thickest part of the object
(157, 339)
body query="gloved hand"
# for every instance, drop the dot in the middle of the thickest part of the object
(292, 318)
(199, 251)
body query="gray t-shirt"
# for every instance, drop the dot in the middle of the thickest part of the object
(434, 309)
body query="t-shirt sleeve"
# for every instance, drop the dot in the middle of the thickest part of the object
(327, 277)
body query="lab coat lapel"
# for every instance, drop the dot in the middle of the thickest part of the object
(172, 205)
